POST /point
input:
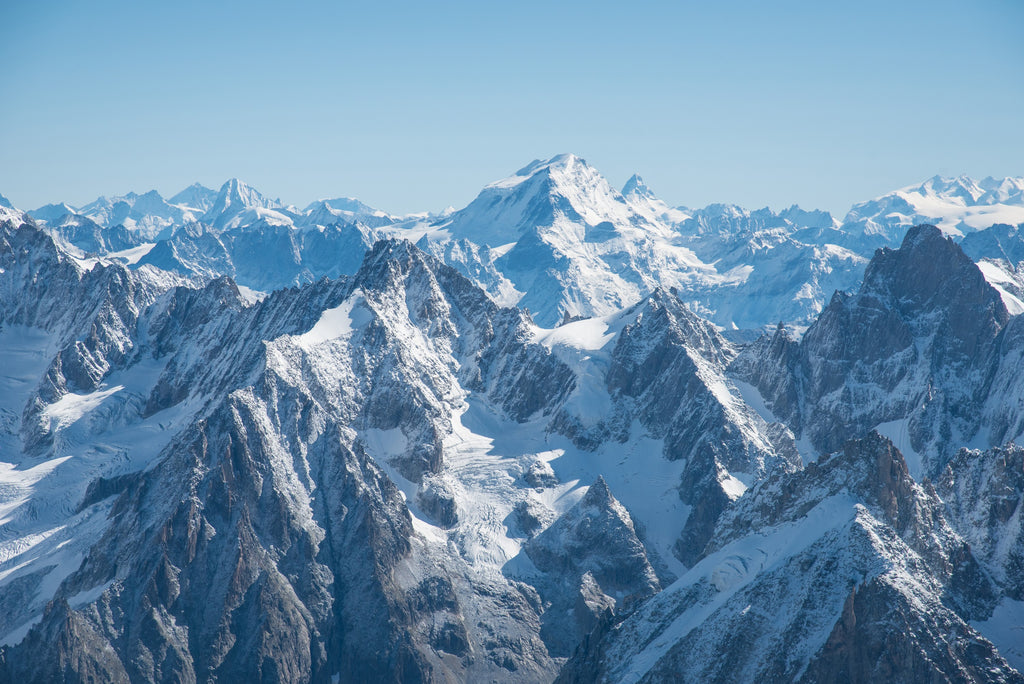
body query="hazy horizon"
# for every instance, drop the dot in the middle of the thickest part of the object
(413, 108)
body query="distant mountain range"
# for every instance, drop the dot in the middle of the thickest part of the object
(554, 238)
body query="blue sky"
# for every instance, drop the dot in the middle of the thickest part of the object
(414, 106)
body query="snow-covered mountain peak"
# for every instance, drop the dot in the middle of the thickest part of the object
(570, 169)
(146, 215)
(326, 212)
(961, 188)
(809, 218)
(561, 233)
(147, 197)
(341, 204)
(562, 191)
(725, 210)
(235, 193)
(562, 169)
(105, 206)
(636, 186)
(238, 202)
(9, 213)
(196, 196)
(559, 164)
(1002, 190)
(388, 255)
(52, 212)
(398, 267)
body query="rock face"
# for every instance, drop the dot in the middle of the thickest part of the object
(917, 347)
(984, 495)
(594, 564)
(814, 576)
(668, 370)
(216, 579)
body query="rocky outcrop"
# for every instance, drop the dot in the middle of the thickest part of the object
(666, 371)
(984, 496)
(594, 564)
(919, 342)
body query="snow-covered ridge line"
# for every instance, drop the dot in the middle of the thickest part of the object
(555, 238)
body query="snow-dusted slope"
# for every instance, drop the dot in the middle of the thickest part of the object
(343, 210)
(846, 571)
(70, 390)
(999, 253)
(782, 277)
(51, 212)
(9, 213)
(93, 238)
(263, 255)
(197, 198)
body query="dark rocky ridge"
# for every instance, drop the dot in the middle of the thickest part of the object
(595, 566)
(832, 604)
(920, 340)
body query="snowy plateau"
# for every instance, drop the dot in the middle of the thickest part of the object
(566, 433)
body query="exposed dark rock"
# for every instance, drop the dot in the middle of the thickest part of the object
(984, 496)
(809, 578)
(538, 474)
(920, 341)
(593, 562)
(437, 499)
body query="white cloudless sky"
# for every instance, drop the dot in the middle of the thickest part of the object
(414, 106)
